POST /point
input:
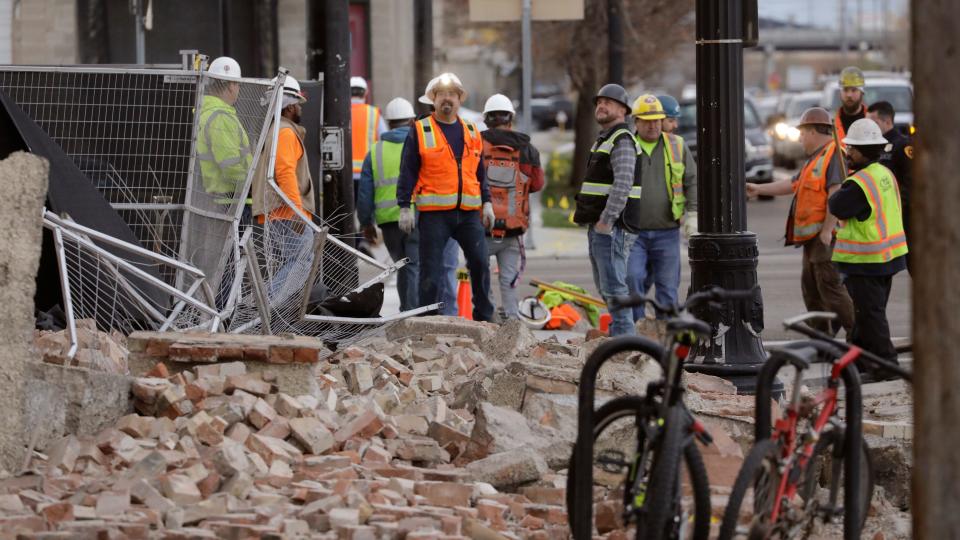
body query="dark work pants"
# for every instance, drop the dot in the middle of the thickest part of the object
(823, 289)
(870, 329)
(435, 228)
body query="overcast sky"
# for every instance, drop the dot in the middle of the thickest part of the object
(826, 13)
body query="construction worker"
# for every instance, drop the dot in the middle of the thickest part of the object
(447, 288)
(377, 200)
(366, 123)
(513, 171)
(668, 176)
(286, 229)
(223, 147)
(897, 156)
(809, 224)
(609, 202)
(671, 108)
(852, 107)
(871, 246)
(441, 165)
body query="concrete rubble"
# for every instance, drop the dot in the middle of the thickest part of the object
(442, 428)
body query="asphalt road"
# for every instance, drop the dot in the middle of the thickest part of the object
(560, 255)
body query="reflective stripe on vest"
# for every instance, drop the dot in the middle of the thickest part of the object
(603, 190)
(810, 206)
(364, 122)
(440, 176)
(605, 147)
(385, 160)
(880, 238)
(674, 169)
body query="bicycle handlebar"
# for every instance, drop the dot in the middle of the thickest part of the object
(799, 324)
(710, 294)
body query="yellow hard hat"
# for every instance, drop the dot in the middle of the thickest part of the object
(648, 107)
(851, 77)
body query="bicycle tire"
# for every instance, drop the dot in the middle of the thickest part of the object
(652, 522)
(823, 450)
(760, 461)
(620, 407)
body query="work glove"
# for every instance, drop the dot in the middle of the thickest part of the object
(690, 224)
(370, 234)
(406, 220)
(488, 216)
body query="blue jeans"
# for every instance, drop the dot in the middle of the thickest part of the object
(608, 259)
(447, 288)
(292, 251)
(402, 245)
(656, 251)
(436, 228)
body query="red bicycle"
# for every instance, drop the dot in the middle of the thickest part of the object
(779, 492)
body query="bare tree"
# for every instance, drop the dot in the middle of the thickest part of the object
(652, 31)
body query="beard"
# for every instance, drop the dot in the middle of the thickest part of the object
(446, 107)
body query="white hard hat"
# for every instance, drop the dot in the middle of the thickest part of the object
(498, 103)
(446, 80)
(864, 132)
(292, 88)
(426, 91)
(399, 109)
(225, 67)
(533, 312)
(358, 82)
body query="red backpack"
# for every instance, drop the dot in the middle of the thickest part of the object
(509, 189)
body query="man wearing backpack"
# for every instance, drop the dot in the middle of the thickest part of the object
(513, 172)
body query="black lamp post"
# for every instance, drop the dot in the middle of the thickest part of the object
(724, 253)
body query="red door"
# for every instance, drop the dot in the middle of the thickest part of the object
(359, 43)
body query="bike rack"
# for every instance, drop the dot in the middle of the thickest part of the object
(853, 434)
(583, 450)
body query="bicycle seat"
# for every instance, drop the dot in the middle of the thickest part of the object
(800, 356)
(677, 326)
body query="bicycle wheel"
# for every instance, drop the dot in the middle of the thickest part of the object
(747, 516)
(617, 442)
(823, 483)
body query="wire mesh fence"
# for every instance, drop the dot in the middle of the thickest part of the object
(174, 153)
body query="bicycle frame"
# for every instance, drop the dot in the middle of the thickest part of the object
(785, 430)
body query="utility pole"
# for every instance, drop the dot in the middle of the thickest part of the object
(328, 52)
(724, 253)
(614, 42)
(136, 7)
(422, 47)
(842, 28)
(935, 224)
(526, 54)
(224, 27)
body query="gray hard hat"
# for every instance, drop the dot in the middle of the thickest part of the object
(614, 92)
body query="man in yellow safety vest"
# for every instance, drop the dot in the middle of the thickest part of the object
(871, 246)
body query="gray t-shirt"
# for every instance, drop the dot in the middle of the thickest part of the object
(655, 212)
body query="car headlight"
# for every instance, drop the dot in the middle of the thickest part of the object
(781, 130)
(913, 129)
(793, 134)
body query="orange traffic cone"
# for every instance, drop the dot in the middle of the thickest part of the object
(464, 298)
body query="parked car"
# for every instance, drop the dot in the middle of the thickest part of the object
(892, 87)
(787, 149)
(758, 154)
(545, 111)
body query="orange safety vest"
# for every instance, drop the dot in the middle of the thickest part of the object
(365, 121)
(446, 183)
(838, 124)
(810, 195)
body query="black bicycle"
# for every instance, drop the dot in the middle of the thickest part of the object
(640, 449)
